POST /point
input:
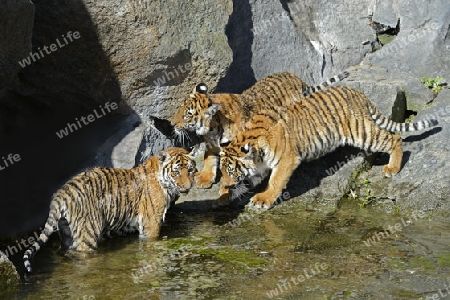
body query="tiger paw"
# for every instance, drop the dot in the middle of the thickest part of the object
(223, 200)
(262, 201)
(204, 180)
(388, 172)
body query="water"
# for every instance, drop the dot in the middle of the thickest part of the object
(286, 253)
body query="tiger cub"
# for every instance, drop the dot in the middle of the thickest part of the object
(101, 201)
(278, 141)
(219, 117)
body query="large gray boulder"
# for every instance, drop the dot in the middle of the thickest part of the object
(9, 278)
(147, 56)
(145, 53)
(16, 22)
(309, 38)
(422, 45)
(317, 39)
(423, 182)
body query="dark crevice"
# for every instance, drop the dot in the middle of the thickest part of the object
(284, 4)
(385, 34)
(239, 31)
(410, 114)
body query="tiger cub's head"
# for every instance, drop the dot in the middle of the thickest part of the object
(196, 113)
(240, 163)
(177, 169)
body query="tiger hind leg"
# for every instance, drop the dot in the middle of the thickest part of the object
(87, 237)
(395, 159)
(384, 141)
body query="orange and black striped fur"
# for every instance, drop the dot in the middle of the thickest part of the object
(101, 201)
(220, 117)
(278, 141)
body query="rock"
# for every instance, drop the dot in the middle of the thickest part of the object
(150, 54)
(386, 13)
(426, 28)
(312, 40)
(423, 180)
(146, 56)
(121, 148)
(392, 92)
(9, 278)
(16, 21)
(320, 184)
(308, 38)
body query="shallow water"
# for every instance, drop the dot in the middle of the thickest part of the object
(285, 253)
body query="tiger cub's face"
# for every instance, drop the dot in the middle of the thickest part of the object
(177, 169)
(239, 164)
(196, 113)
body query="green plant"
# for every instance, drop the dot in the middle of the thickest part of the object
(363, 203)
(433, 83)
(368, 196)
(396, 209)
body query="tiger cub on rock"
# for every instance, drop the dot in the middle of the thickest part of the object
(101, 201)
(220, 117)
(278, 141)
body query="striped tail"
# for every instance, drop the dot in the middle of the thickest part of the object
(391, 126)
(49, 228)
(312, 89)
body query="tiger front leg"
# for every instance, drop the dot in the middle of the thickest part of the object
(277, 182)
(207, 176)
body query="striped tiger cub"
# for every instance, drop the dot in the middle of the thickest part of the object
(104, 201)
(220, 117)
(278, 141)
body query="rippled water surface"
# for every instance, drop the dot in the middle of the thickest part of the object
(288, 252)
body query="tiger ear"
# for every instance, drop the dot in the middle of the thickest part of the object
(201, 88)
(212, 110)
(163, 156)
(248, 150)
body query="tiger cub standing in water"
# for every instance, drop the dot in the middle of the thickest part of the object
(220, 117)
(278, 141)
(101, 201)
